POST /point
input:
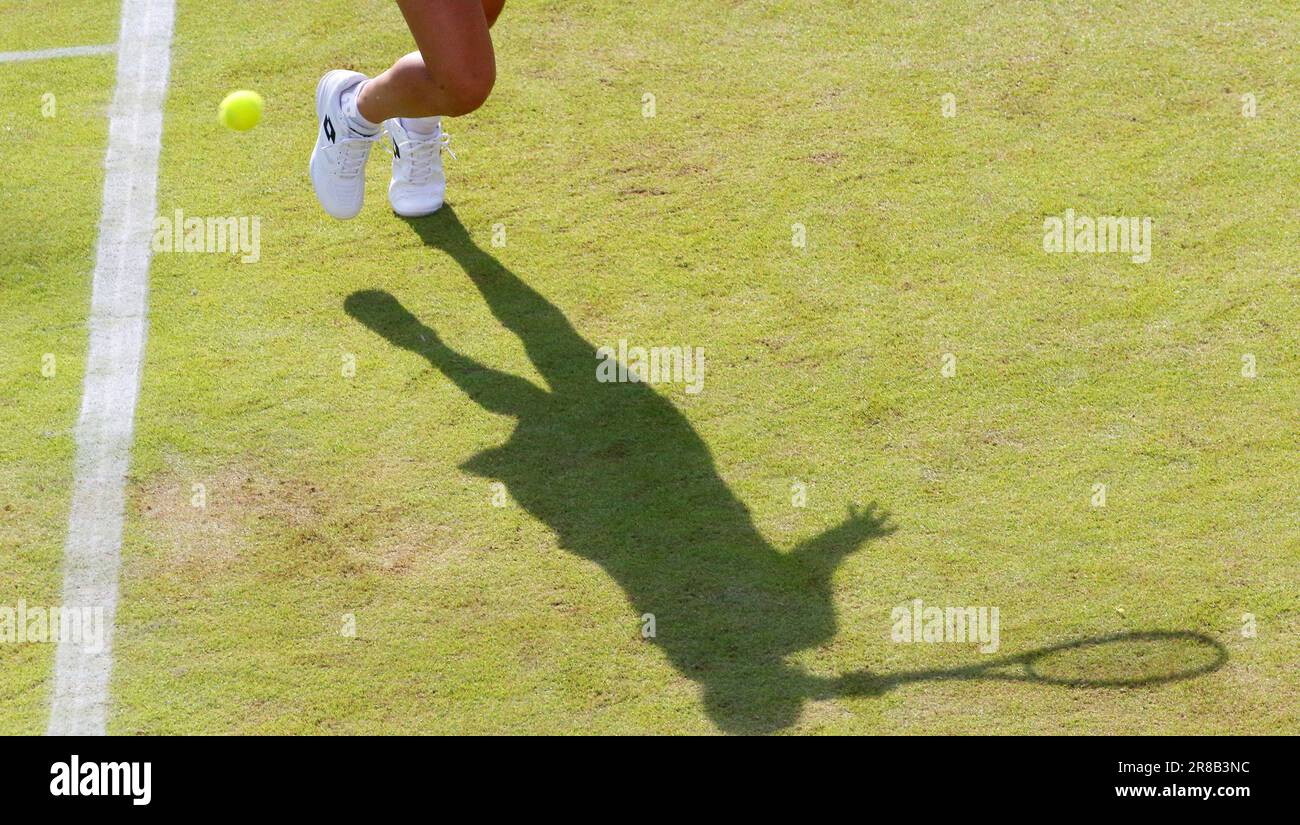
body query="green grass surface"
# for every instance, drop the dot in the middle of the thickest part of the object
(50, 204)
(371, 495)
(56, 24)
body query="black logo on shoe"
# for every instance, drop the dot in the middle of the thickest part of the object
(329, 129)
(397, 151)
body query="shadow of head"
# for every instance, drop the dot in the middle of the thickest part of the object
(622, 478)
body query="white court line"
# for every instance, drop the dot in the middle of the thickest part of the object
(117, 334)
(47, 54)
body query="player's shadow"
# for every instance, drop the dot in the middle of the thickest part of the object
(623, 479)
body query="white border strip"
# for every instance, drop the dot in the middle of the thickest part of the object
(113, 363)
(48, 54)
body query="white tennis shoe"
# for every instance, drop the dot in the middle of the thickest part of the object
(418, 183)
(338, 163)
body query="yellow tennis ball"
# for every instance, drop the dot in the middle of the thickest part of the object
(241, 110)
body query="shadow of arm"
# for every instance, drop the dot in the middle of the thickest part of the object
(494, 390)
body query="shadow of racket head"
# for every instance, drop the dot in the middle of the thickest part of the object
(1130, 659)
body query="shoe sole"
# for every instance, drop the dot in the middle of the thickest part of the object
(420, 214)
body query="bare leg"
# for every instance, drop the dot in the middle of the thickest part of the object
(453, 71)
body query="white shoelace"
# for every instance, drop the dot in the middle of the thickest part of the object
(422, 154)
(352, 154)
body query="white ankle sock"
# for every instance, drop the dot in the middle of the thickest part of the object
(421, 125)
(356, 122)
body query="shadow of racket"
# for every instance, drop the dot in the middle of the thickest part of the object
(1129, 659)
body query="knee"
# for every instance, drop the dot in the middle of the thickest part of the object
(467, 90)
